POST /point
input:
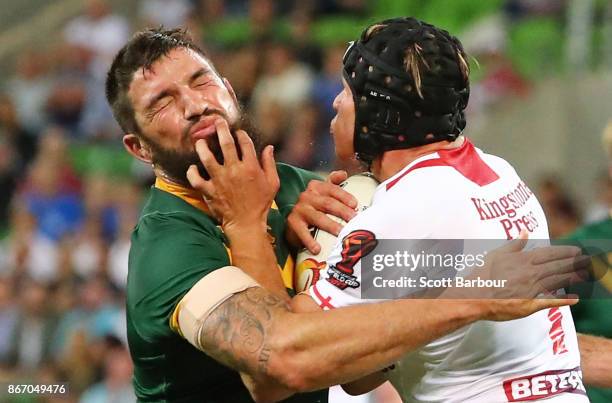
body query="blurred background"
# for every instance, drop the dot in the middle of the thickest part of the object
(541, 98)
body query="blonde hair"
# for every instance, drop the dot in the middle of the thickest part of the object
(414, 60)
(373, 29)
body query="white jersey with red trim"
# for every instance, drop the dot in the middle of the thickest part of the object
(464, 194)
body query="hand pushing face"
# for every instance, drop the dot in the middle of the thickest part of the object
(240, 190)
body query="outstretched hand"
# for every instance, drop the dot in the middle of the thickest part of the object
(533, 278)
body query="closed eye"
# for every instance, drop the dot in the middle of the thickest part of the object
(202, 82)
(163, 103)
(158, 107)
(201, 78)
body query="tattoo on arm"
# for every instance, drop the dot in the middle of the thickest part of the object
(237, 332)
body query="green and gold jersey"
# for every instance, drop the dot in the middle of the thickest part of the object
(592, 316)
(174, 245)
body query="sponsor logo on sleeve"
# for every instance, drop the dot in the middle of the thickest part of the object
(544, 385)
(355, 245)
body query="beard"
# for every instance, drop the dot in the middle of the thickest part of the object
(175, 163)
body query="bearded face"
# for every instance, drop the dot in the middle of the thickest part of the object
(175, 162)
(175, 103)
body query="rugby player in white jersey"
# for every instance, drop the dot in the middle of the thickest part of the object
(401, 111)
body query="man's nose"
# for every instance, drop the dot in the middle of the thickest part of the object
(194, 104)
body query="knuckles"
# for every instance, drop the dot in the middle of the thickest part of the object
(327, 204)
(294, 222)
(303, 198)
(314, 185)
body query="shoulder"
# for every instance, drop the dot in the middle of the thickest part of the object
(289, 173)
(178, 239)
(419, 190)
(164, 211)
(497, 163)
(171, 250)
(167, 220)
(602, 229)
(154, 223)
(400, 213)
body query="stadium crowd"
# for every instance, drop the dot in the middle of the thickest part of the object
(71, 197)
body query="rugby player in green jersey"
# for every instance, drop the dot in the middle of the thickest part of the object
(209, 318)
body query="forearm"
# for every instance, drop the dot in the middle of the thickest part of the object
(251, 250)
(255, 333)
(596, 360)
(336, 347)
(265, 390)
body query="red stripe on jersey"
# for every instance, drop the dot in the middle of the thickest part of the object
(464, 160)
(556, 332)
(324, 301)
(435, 162)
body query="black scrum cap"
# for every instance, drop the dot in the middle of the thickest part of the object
(390, 112)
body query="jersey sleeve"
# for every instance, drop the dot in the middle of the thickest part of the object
(170, 254)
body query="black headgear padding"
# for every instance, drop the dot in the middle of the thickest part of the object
(390, 113)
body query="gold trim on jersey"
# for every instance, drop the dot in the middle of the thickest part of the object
(287, 272)
(190, 196)
(603, 272)
(174, 319)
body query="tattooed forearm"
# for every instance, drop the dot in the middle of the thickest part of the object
(237, 331)
(264, 357)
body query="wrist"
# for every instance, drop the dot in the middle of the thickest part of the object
(482, 309)
(469, 310)
(233, 229)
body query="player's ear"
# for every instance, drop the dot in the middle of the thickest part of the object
(135, 146)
